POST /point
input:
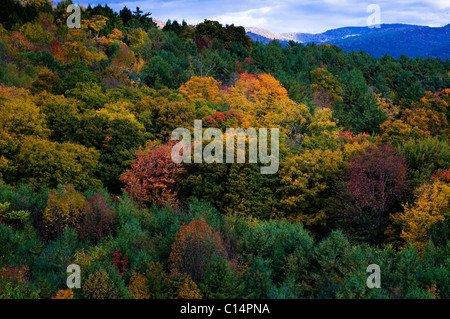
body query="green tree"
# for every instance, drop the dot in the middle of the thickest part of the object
(408, 88)
(425, 157)
(220, 282)
(47, 164)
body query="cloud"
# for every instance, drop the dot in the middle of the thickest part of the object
(439, 4)
(252, 17)
(292, 15)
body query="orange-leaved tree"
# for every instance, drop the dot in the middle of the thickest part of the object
(205, 88)
(193, 249)
(153, 176)
(263, 102)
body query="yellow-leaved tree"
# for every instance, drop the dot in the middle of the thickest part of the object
(326, 86)
(263, 102)
(305, 185)
(204, 88)
(65, 208)
(431, 205)
(120, 111)
(95, 24)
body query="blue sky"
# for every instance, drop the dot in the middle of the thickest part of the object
(311, 16)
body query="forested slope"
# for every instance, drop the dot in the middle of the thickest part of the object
(86, 117)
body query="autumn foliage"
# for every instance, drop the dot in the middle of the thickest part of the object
(64, 294)
(65, 208)
(153, 176)
(87, 176)
(431, 204)
(120, 261)
(99, 218)
(193, 248)
(377, 177)
(206, 88)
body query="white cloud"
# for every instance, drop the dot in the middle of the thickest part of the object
(280, 16)
(253, 17)
(439, 4)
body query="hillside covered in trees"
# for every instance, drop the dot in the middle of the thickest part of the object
(86, 176)
(393, 39)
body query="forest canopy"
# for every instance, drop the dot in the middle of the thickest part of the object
(86, 177)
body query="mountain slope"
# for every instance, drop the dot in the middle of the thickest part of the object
(393, 39)
(268, 34)
(260, 38)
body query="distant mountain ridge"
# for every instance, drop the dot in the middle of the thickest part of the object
(393, 39)
(159, 23)
(269, 34)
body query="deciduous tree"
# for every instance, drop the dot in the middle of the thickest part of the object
(432, 203)
(153, 176)
(193, 249)
(377, 177)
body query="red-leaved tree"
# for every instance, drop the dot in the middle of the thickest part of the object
(223, 120)
(120, 261)
(376, 177)
(153, 176)
(99, 218)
